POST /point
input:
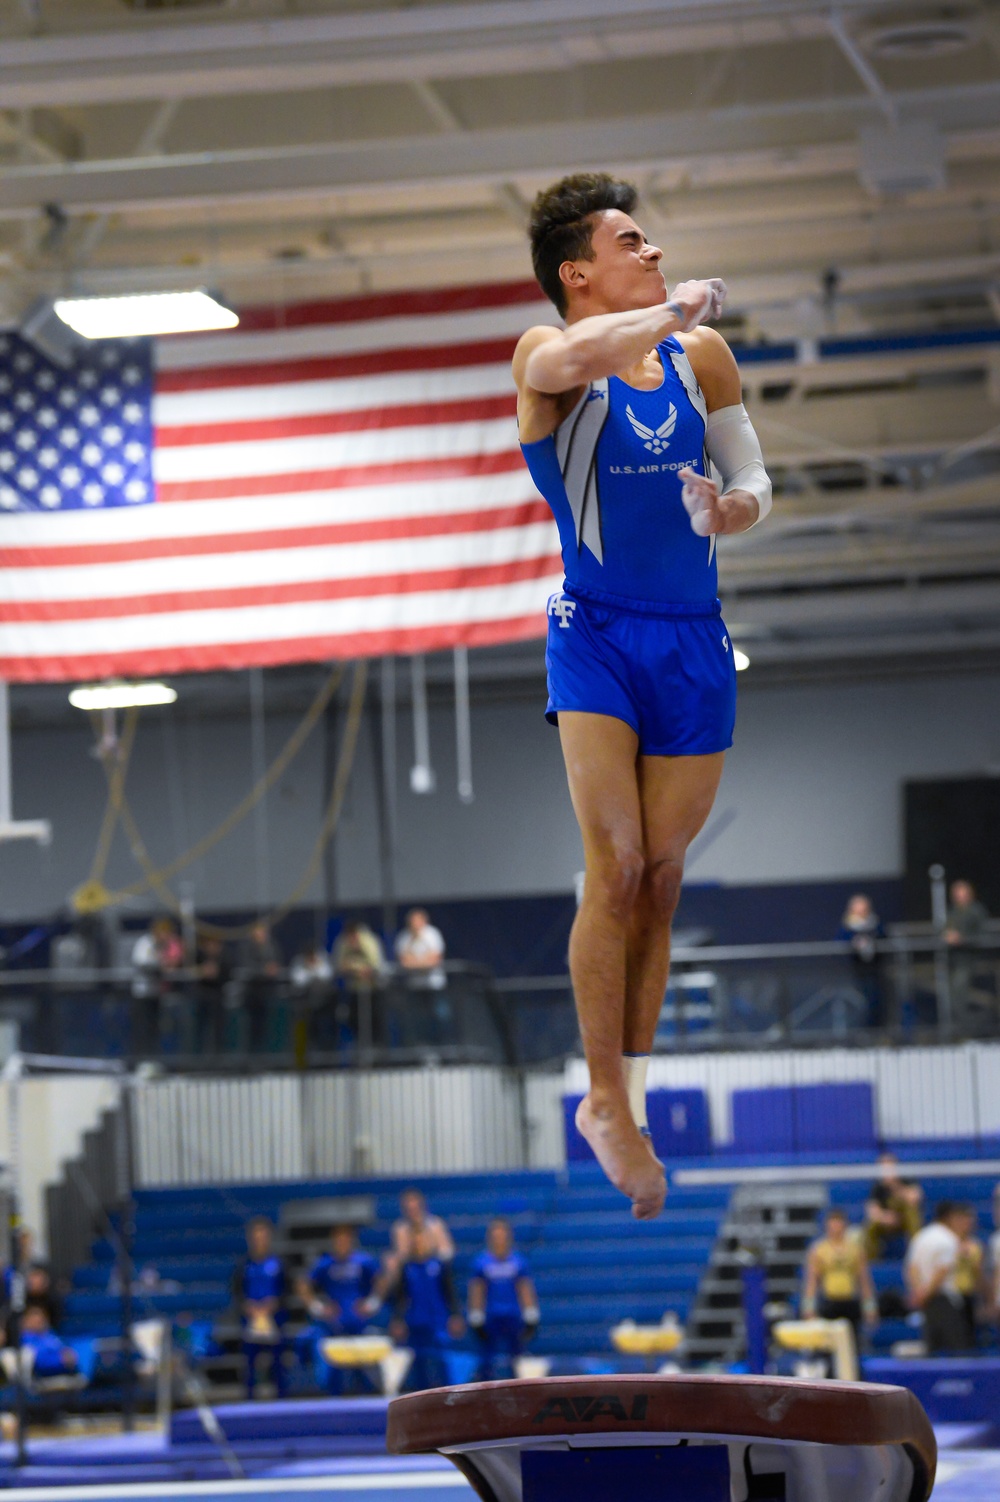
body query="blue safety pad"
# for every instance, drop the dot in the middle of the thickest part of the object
(674, 1474)
(804, 1118)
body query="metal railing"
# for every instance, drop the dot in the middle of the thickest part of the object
(914, 989)
(251, 1023)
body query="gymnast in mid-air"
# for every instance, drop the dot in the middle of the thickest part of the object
(619, 414)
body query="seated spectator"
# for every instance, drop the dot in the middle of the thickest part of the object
(341, 1294)
(862, 928)
(838, 1281)
(51, 1357)
(426, 1311)
(503, 1305)
(415, 1220)
(261, 964)
(259, 1291)
(420, 952)
(931, 1264)
(894, 1209)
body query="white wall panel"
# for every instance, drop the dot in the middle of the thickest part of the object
(919, 1092)
(408, 1121)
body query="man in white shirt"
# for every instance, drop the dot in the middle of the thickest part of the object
(929, 1271)
(420, 952)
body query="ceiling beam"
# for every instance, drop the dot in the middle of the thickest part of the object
(639, 143)
(155, 61)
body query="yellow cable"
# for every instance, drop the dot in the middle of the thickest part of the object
(264, 784)
(156, 879)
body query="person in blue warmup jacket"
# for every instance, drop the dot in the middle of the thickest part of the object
(426, 1311)
(340, 1293)
(259, 1293)
(503, 1305)
(51, 1357)
(632, 424)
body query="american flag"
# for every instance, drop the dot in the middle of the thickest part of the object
(329, 480)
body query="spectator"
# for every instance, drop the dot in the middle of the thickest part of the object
(994, 1257)
(259, 1291)
(966, 917)
(414, 1220)
(894, 1210)
(309, 974)
(213, 972)
(503, 1305)
(359, 967)
(420, 952)
(838, 1281)
(426, 1311)
(157, 957)
(341, 1293)
(358, 956)
(261, 963)
(929, 1270)
(51, 1357)
(970, 1274)
(862, 928)
(964, 925)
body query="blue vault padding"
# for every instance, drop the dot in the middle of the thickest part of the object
(670, 1473)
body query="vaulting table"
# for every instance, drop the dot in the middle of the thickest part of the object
(674, 1439)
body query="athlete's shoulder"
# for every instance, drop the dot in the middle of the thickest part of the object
(530, 340)
(714, 366)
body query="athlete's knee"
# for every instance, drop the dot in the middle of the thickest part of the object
(616, 880)
(663, 878)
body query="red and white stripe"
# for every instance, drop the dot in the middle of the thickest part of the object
(333, 480)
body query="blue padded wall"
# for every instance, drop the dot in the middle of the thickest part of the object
(678, 1121)
(804, 1119)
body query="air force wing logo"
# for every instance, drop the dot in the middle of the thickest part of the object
(654, 439)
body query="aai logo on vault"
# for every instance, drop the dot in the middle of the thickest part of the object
(654, 439)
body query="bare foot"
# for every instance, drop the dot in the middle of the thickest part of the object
(626, 1157)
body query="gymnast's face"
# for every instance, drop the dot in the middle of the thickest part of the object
(623, 272)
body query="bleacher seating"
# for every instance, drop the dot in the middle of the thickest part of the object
(593, 1264)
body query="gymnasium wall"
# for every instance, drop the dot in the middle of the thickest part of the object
(812, 794)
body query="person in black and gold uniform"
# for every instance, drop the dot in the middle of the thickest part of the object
(838, 1281)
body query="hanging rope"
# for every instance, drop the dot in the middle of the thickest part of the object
(277, 768)
(93, 895)
(156, 878)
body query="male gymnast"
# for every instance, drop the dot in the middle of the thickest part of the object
(618, 415)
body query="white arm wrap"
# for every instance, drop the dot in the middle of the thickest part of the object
(734, 449)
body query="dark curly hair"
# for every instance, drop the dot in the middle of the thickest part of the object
(561, 224)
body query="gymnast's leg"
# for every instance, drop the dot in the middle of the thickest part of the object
(676, 794)
(637, 815)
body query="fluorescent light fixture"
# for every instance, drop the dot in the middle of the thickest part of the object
(144, 313)
(741, 660)
(121, 695)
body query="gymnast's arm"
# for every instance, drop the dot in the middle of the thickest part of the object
(552, 360)
(731, 443)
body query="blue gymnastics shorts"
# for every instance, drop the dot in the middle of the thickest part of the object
(670, 676)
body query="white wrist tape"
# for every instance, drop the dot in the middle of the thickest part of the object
(734, 449)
